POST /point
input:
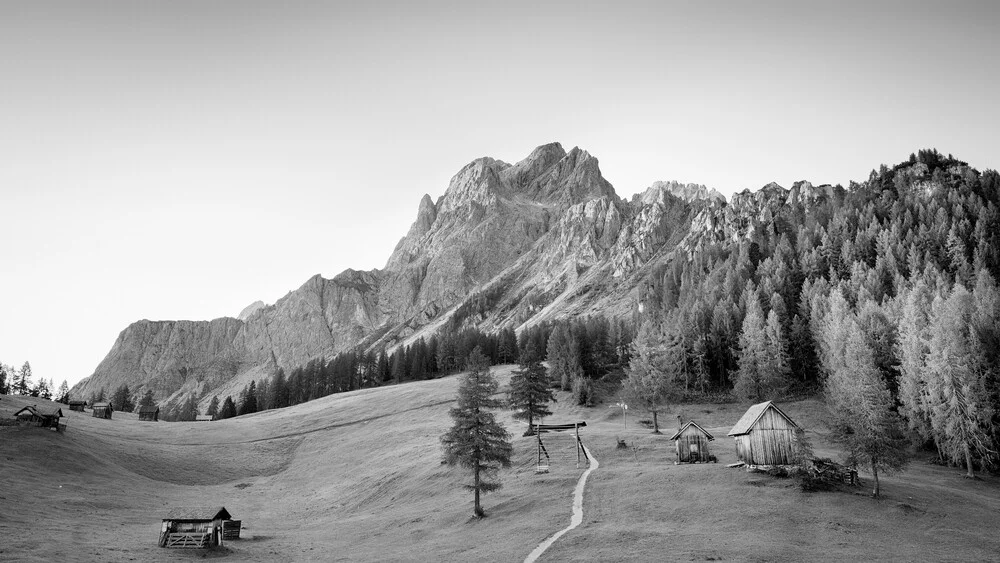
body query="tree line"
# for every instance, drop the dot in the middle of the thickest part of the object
(18, 382)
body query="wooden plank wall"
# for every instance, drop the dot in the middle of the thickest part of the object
(770, 442)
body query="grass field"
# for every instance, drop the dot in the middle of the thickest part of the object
(358, 477)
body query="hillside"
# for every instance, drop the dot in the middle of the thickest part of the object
(358, 477)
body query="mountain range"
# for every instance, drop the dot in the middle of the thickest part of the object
(542, 239)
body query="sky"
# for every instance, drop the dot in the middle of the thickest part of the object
(183, 159)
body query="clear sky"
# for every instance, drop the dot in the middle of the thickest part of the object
(182, 159)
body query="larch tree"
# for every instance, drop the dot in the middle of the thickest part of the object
(912, 349)
(228, 409)
(654, 371)
(763, 361)
(23, 380)
(957, 391)
(147, 399)
(63, 393)
(476, 440)
(865, 421)
(213, 407)
(564, 357)
(530, 393)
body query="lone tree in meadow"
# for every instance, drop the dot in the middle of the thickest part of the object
(476, 440)
(654, 370)
(529, 393)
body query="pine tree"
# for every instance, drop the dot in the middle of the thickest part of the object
(63, 393)
(564, 358)
(912, 350)
(529, 392)
(654, 370)
(42, 390)
(213, 407)
(23, 381)
(763, 371)
(508, 346)
(4, 377)
(865, 421)
(248, 399)
(121, 399)
(228, 408)
(147, 399)
(476, 440)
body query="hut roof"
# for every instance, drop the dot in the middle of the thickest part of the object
(688, 425)
(78, 403)
(152, 409)
(30, 409)
(51, 411)
(103, 406)
(199, 513)
(204, 418)
(753, 414)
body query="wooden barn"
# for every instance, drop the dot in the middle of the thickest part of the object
(46, 418)
(194, 527)
(150, 413)
(765, 436)
(102, 410)
(204, 418)
(691, 442)
(77, 405)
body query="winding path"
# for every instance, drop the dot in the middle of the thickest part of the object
(577, 518)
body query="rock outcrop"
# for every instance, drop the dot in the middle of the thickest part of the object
(545, 237)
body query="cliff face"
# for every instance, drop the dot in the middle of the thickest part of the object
(547, 237)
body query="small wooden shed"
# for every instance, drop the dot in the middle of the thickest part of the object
(77, 405)
(204, 418)
(150, 413)
(102, 410)
(691, 442)
(44, 417)
(194, 527)
(765, 436)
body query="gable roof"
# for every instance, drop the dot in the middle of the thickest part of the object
(199, 513)
(753, 414)
(78, 403)
(31, 410)
(103, 406)
(696, 425)
(152, 409)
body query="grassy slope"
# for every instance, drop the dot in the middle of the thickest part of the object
(358, 476)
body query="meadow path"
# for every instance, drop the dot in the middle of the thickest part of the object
(577, 518)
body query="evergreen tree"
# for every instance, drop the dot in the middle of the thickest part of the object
(23, 381)
(763, 371)
(4, 384)
(529, 392)
(228, 409)
(121, 399)
(564, 358)
(147, 399)
(213, 407)
(476, 440)
(956, 387)
(43, 389)
(508, 351)
(63, 393)
(865, 421)
(248, 399)
(654, 370)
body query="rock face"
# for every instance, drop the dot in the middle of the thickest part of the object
(544, 238)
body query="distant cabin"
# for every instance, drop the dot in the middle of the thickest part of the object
(77, 405)
(150, 413)
(194, 527)
(44, 417)
(102, 410)
(204, 418)
(691, 442)
(765, 436)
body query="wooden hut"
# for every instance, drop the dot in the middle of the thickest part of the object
(44, 417)
(204, 418)
(691, 442)
(102, 410)
(77, 405)
(765, 436)
(150, 413)
(194, 527)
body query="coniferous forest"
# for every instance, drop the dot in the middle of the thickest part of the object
(881, 297)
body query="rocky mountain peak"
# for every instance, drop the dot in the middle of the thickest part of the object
(250, 309)
(687, 192)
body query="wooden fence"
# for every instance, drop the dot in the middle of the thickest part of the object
(188, 539)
